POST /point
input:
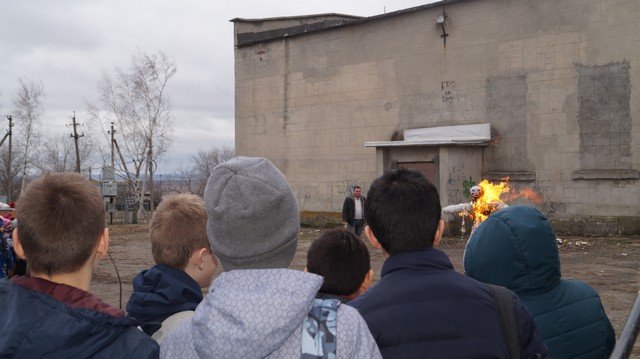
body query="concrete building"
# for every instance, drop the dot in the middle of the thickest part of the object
(329, 97)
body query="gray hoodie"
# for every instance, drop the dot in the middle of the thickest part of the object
(259, 314)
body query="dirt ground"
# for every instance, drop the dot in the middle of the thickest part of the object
(609, 264)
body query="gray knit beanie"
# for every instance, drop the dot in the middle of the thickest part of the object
(252, 215)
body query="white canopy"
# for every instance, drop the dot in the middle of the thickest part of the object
(479, 134)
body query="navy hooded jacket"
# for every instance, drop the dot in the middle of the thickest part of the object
(34, 325)
(160, 292)
(423, 308)
(516, 248)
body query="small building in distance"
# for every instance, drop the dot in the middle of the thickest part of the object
(334, 100)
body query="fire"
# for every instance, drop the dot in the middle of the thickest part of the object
(490, 199)
(487, 198)
(526, 193)
(495, 197)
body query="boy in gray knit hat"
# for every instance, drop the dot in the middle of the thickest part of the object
(258, 308)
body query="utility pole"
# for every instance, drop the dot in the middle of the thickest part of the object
(75, 137)
(143, 187)
(113, 166)
(113, 154)
(8, 172)
(134, 215)
(151, 170)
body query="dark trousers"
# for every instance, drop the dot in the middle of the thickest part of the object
(357, 226)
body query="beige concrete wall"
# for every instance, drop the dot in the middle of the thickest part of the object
(309, 103)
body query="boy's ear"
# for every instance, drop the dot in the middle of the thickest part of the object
(17, 246)
(372, 238)
(438, 237)
(103, 244)
(198, 256)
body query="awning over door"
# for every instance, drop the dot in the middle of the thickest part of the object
(479, 134)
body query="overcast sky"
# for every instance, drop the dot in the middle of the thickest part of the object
(66, 45)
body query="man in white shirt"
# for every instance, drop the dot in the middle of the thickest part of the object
(353, 211)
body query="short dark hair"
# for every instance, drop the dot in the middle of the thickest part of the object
(62, 216)
(341, 258)
(403, 211)
(356, 187)
(177, 229)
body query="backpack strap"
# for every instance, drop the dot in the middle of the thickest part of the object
(503, 299)
(319, 330)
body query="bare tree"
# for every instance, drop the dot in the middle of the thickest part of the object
(194, 180)
(181, 181)
(137, 102)
(205, 161)
(27, 112)
(58, 154)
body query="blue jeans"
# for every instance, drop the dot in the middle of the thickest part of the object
(357, 226)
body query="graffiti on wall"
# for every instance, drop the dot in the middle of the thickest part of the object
(466, 187)
(455, 184)
(331, 199)
(550, 204)
(447, 91)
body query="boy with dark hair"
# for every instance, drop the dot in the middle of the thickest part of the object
(421, 305)
(62, 235)
(168, 293)
(343, 260)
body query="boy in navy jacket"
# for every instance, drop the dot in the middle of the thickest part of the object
(421, 306)
(169, 292)
(62, 235)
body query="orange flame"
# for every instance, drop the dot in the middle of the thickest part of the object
(526, 193)
(495, 195)
(487, 203)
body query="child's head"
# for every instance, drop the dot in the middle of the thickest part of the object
(62, 222)
(403, 212)
(343, 260)
(179, 237)
(253, 217)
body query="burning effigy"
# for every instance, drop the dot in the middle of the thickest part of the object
(486, 198)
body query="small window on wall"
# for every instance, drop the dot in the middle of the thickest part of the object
(428, 169)
(604, 118)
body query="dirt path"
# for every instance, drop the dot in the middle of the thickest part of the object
(610, 265)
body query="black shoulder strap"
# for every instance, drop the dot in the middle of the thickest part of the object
(503, 298)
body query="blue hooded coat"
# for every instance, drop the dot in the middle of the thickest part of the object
(516, 248)
(160, 292)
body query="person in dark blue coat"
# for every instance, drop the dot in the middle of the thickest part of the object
(168, 293)
(422, 307)
(62, 235)
(517, 248)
